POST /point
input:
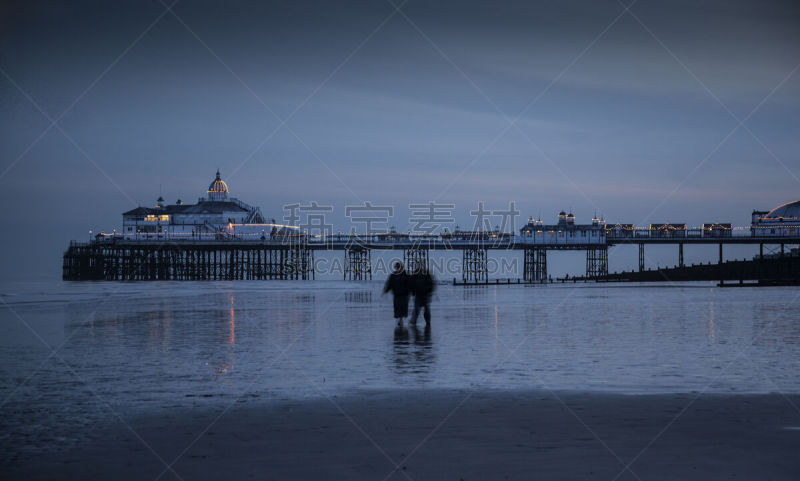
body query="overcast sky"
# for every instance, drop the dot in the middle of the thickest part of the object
(554, 105)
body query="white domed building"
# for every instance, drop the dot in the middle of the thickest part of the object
(215, 216)
(783, 220)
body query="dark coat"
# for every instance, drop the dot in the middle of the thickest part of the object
(398, 283)
(422, 285)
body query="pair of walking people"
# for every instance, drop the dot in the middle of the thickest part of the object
(420, 284)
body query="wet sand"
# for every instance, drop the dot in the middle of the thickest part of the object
(418, 435)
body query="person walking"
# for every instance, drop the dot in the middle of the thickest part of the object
(422, 286)
(398, 283)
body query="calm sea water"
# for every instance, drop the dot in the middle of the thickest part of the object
(77, 354)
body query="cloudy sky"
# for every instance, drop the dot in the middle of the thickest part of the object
(579, 105)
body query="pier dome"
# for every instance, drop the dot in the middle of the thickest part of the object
(789, 210)
(218, 190)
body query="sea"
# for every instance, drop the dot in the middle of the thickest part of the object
(77, 355)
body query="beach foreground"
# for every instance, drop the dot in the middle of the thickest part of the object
(448, 435)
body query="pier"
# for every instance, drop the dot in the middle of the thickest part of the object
(223, 238)
(113, 257)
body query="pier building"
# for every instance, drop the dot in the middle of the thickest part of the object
(565, 229)
(667, 230)
(619, 230)
(215, 216)
(783, 220)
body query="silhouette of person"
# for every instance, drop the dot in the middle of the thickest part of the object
(398, 283)
(422, 286)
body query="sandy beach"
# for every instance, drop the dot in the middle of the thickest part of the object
(421, 435)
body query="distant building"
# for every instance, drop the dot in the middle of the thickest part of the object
(564, 230)
(717, 229)
(619, 230)
(214, 216)
(667, 230)
(783, 220)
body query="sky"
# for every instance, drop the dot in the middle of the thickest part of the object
(680, 111)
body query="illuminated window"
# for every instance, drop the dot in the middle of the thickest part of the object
(150, 218)
(164, 218)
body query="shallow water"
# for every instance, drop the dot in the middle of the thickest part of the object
(77, 354)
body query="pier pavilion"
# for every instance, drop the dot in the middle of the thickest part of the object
(215, 216)
(782, 220)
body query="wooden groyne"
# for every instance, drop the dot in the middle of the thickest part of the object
(494, 282)
(775, 270)
(147, 261)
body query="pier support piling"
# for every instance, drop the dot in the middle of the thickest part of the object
(357, 264)
(474, 265)
(597, 262)
(680, 255)
(540, 266)
(534, 266)
(414, 257)
(641, 257)
(527, 265)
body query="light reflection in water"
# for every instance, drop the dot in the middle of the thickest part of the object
(194, 344)
(711, 321)
(232, 336)
(413, 351)
(153, 347)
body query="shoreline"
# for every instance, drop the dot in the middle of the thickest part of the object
(491, 435)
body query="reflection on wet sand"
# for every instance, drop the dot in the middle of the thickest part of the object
(164, 346)
(232, 323)
(358, 297)
(413, 349)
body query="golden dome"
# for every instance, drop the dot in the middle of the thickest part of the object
(218, 190)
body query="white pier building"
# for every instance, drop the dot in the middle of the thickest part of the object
(215, 216)
(783, 220)
(566, 232)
